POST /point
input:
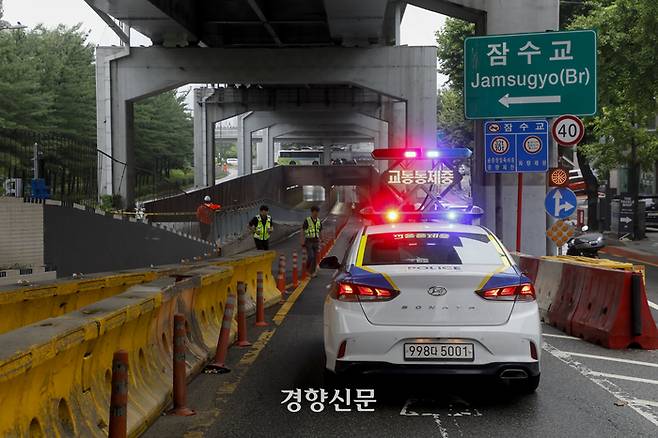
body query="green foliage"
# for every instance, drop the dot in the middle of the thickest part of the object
(47, 81)
(47, 85)
(458, 131)
(628, 81)
(226, 150)
(110, 202)
(163, 133)
(450, 105)
(450, 42)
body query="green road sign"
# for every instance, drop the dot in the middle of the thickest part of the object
(530, 75)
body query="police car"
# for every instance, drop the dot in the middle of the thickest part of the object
(431, 298)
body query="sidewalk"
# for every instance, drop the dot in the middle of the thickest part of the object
(644, 251)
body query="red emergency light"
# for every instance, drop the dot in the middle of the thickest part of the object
(396, 154)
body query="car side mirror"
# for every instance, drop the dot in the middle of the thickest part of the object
(584, 228)
(330, 262)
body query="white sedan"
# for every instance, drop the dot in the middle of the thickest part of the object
(431, 298)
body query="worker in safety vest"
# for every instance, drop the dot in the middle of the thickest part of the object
(205, 214)
(311, 230)
(261, 226)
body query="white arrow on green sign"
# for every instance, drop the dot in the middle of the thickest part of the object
(530, 75)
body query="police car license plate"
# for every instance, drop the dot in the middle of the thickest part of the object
(438, 351)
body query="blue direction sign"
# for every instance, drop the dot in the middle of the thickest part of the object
(560, 202)
(513, 146)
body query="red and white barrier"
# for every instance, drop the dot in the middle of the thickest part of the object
(605, 306)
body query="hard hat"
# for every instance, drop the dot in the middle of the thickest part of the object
(206, 199)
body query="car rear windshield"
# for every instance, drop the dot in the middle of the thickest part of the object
(424, 248)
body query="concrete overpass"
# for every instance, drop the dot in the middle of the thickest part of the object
(303, 43)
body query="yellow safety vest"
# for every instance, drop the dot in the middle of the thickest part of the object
(313, 229)
(263, 230)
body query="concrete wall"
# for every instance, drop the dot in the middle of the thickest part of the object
(269, 184)
(21, 233)
(81, 241)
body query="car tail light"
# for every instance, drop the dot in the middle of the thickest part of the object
(341, 350)
(359, 292)
(521, 292)
(533, 350)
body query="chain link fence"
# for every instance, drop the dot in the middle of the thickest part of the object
(67, 165)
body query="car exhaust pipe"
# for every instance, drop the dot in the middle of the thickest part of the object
(513, 373)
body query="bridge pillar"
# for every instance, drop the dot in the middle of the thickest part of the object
(377, 136)
(281, 122)
(202, 152)
(262, 153)
(128, 75)
(516, 16)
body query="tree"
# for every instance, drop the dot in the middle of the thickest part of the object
(450, 51)
(47, 81)
(457, 131)
(628, 86)
(163, 133)
(23, 102)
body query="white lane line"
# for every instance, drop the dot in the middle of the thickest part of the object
(645, 411)
(644, 402)
(550, 335)
(620, 377)
(653, 305)
(613, 359)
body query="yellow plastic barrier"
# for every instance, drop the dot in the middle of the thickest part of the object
(26, 305)
(55, 375)
(247, 266)
(601, 263)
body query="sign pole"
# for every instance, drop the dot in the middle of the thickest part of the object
(553, 160)
(519, 210)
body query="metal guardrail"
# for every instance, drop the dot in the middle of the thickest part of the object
(231, 223)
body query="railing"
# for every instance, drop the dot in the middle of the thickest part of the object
(231, 223)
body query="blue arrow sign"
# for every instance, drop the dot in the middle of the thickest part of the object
(560, 202)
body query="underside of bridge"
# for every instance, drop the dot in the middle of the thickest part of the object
(287, 44)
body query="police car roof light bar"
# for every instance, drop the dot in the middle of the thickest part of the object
(421, 154)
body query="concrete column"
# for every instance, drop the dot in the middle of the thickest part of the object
(244, 147)
(104, 129)
(516, 16)
(326, 152)
(408, 73)
(261, 151)
(199, 119)
(204, 151)
(123, 175)
(394, 112)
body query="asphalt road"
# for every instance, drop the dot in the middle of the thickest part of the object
(586, 390)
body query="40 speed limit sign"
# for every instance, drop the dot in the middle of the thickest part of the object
(568, 130)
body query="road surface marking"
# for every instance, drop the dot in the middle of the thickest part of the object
(620, 377)
(644, 402)
(645, 411)
(652, 305)
(285, 308)
(550, 335)
(613, 359)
